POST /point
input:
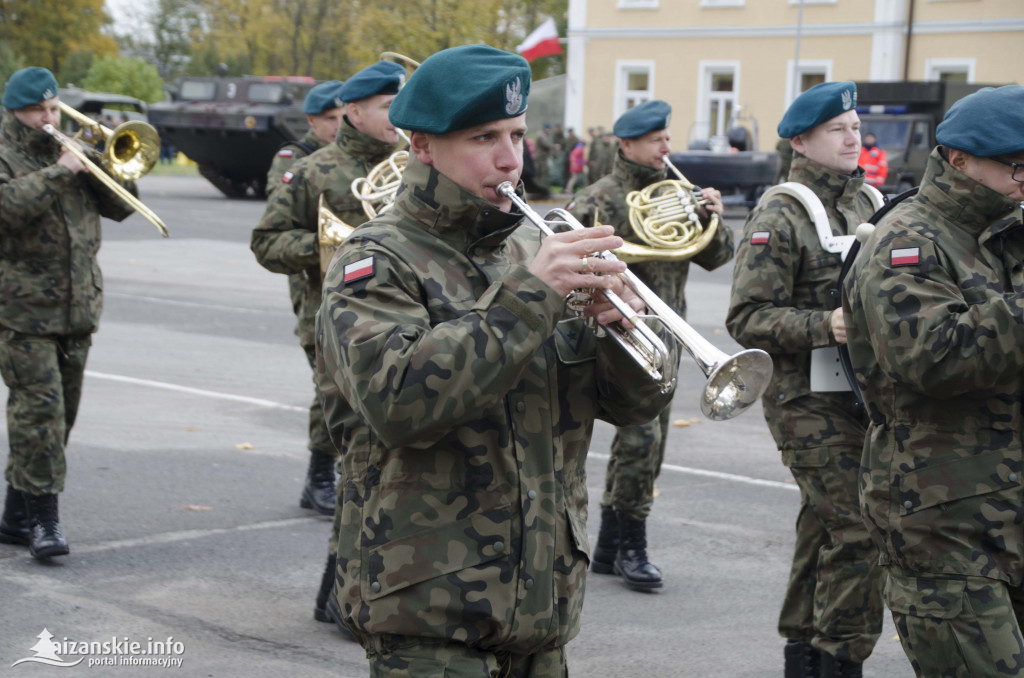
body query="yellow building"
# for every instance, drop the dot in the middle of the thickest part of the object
(712, 59)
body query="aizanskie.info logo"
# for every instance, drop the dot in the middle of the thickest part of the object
(114, 652)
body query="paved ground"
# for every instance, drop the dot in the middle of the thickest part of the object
(188, 458)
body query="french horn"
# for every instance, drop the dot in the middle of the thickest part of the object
(665, 216)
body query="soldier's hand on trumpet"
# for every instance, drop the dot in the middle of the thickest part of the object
(566, 262)
(70, 160)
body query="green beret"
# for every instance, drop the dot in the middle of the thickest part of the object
(639, 120)
(383, 77)
(987, 123)
(323, 97)
(461, 87)
(29, 86)
(819, 104)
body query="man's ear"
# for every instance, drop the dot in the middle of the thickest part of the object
(797, 143)
(354, 114)
(419, 144)
(957, 159)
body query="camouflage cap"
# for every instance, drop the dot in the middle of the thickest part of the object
(29, 86)
(639, 120)
(383, 77)
(323, 97)
(461, 87)
(986, 123)
(819, 104)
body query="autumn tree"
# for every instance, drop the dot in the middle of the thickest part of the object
(131, 77)
(44, 32)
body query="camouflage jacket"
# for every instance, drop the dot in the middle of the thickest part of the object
(605, 200)
(782, 301)
(285, 240)
(464, 500)
(936, 308)
(288, 155)
(50, 281)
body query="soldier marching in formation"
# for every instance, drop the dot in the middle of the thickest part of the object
(783, 302)
(638, 451)
(935, 305)
(50, 209)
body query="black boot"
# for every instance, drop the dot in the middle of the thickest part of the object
(602, 560)
(802, 660)
(832, 667)
(631, 561)
(326, 585)
(14, 524)
(318, 494)
(46, 539)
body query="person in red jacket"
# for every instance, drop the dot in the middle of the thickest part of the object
(874, 162)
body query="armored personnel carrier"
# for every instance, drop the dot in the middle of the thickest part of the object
(232, 126)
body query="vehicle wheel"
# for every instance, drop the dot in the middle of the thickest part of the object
(230, 188)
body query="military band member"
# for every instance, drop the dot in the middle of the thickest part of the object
(638, 451)
(324, 111)
(462, 548)
(286, 241)
(51, 296)
(935, 307)
(783, 302)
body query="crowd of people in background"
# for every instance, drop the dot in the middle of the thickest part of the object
(564, 161)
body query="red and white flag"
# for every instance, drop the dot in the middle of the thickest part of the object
(541, 43)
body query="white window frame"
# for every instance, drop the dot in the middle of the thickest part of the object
(813, 2)
(933, 68)
(705, 69)
(637, 4)
(823, 66)
(712, 4)
(622, 95)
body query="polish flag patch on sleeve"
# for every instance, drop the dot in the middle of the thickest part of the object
(358, 270)
(287, 178)
(285, 153)
(907, 256)
(760, 238)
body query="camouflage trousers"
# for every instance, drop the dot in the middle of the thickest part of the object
(636, 456)
(957, 627)
(319, 435)
(44, 382)
(846, 578)
(796, 621)
(395, 657)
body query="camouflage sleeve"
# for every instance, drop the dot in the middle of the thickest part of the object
(24, 198)
(413, 382)
(111, 205)
(719, 251)
(278, 167)
(925, 330)
(761, 307)
(285, 240)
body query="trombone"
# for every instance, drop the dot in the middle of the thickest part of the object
(131, 151)
(734, 383)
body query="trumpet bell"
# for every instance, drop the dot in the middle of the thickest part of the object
(736, 384)
(132, 150)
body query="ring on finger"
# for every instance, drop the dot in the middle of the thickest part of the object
(586, 265)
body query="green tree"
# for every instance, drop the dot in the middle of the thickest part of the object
(9, 63)
(75, 68)
(44, 32)
(131, 77)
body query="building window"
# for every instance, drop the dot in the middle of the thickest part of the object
(634, 84)
(716, 102)
(637, 4)
(949, 70)
(805, 76)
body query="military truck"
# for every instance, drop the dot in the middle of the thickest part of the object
(903, 117)
(232, 126)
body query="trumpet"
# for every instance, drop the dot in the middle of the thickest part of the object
(132, 148)
(734, 383)
(104, 178)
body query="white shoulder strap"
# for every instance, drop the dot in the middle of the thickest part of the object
(836, 244)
